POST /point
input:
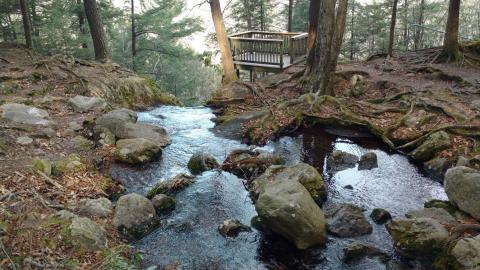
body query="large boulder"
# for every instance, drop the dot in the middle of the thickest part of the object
(420, 237)
(248, 164)
(434, 143)
(380, 216)
(115, 120)
(171, 186)
(302, 173)
(347, 220)
(163, 203)
(85, 104)
(25, 115)
(466, 254)
(368, 161)
(136, 151)
(201, 162)
(71, 163)
(340, 160)
(462, 185)
(439, 214)
(153, 133)
(437, 167)
(286, 208)
(86, 233)
(135, 215)
(101, 207)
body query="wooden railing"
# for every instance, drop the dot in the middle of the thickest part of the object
(268, 48)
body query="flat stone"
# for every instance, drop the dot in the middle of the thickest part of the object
(347, 220)
(88, 234)
(101, 207)
(24, 140)
(25, 115)
(439, 214)
(85, 104)
(136, 151)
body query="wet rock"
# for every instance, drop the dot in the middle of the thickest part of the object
(88, 234)
(163, 203)
(231, 228)
(462, 185)
(422, 237)
(256, 222)
(349, 187)
(302, 173)
(433, 144)
(466, 254)
(368, 161)
(101, 207)
(153, 133)
(201, 162)
(286, 208)
(171, 186)
(25, 140)
(437, 167)
(135, 215)
(450, 208)
(136, 151)
(43, 165)
(340, 160)
(248, 164)
(115, 120)
(82, 144)
(85, 104)
(25, 115)
(380, 216)
(439, 214)
(347, 220)
(357, 250)
(71, 163)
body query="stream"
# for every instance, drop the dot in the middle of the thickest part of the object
(188, 237)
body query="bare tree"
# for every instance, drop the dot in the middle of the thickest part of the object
(222, 39)
(96, 29)
(419, 31)
(290, 15)
(393, 21)
(134, 34)
(27, 25)
(352, 31)
(450, 44)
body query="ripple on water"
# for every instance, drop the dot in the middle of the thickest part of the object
(189, 237)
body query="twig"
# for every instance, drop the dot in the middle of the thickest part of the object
(6, 254)
(5, 60)
(50, 180)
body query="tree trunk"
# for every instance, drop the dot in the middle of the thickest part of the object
(405, 24)
(227, 60)
(35, 19)
(419, 31)
(12, 28)
(246, 6)
(290, 15)
(450, 43)
(314, 12)
(134, 34)
(96, 29)
(27, 25)
(262, 15)
(81, 22)
(340, 20)
(392, 28)
(352, 28)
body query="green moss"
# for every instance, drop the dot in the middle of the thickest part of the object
(72, 163)
(43, 165)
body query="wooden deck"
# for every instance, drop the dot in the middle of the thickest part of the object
(267, 51)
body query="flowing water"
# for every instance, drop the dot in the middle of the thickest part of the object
(188, 237)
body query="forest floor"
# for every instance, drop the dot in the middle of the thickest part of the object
(402, 100)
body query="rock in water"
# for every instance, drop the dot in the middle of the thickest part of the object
(248, 164)
(358, 250)
(85, 104)
(171, 186)
(101, 207)
(380, 216)
(88, 234)
(231, 228)
(433, 144)
(201, 162)
(347, 220)
(163, 203)
(135, 216)
(340, 160)
(25, 115)
(115, 120)
(466, 254)
(437, 167)
(286, 208)
(368, 161)
(302, 173)
(422, 237)
(136, 151)
(155, 134)
(439, 214)
(462, 185)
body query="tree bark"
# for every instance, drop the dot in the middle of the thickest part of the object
(35, 19)
(314, 11)
(12, 29)
(222, 39)
(419, 31)
(81, 22)
(392, 28)
(405, 24)
(27, 25)
(246, 5)
(290, 15)
(134, 34)
(96, 29)
(352, 28)
(340, 20)
(450, 43)
(262, 15)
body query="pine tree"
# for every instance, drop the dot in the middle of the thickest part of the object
(96, 29)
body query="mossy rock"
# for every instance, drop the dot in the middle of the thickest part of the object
(72, 163)
(43, 165)
(171, 186)
(3, 147)
(201, 162)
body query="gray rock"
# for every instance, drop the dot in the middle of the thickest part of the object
(101, 207)
(201, 162)
(476, 104)
(171, 186)
(439, 214)
(286, 208)
(153, 133)
(437, 167)
(163, 203)
(422, 237)
(24, 140)
(248, 164)
(25, 115)
(302, 173)
(75, 126)
(45, 133)
(85, 104)
(64, 214)
(340, 160)
(347, 220)
(106, 137)
(462, 185)
(135, 216)
(467, 253)
(434, 143)
(115, 120)
(136, 151)
(357, 250)
(368, 161)
(380, 216)
(231, 228)
(82, 144)
(71, 163)
(88, 234)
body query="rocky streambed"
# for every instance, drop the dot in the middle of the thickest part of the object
(188, 237)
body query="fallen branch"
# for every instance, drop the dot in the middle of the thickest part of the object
(50, 180)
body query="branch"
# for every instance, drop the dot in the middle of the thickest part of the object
(158, 51)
